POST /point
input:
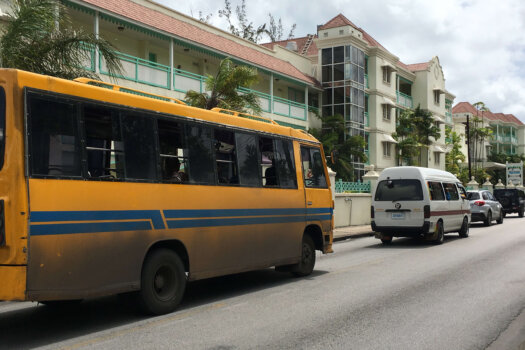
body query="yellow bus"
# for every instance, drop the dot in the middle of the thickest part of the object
(106, 190)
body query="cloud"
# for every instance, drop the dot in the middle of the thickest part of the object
(480, 44)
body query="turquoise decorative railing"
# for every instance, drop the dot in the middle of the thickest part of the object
(140, 70)
(89, 63)
(404, 100)
(158, 75)
(366, 81)
(367, 119)
(352, 187)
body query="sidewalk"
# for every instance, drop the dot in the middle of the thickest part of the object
(342, 233)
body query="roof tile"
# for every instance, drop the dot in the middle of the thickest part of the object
(162, 21)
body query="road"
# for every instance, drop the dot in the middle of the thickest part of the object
(464, 294)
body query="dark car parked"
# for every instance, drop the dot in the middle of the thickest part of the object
(512, 200)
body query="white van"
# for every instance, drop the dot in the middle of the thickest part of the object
(419, 202)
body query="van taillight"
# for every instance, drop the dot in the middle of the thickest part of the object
(372, 212)
(426, 211)
(2, 224)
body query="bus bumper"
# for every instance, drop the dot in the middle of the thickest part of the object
(13, 285)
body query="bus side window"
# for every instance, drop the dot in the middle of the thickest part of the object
(225, 157)
(54, 139)
(104, 146)
(173, 154)
(247, 154)
(285, 163)
(201, 169)
(268, 171)
(313, 169)
(139, 145)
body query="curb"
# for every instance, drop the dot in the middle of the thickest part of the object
(353, 236)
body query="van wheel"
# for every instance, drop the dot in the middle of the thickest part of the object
(307, 263)
(500, 219)
(464, 231)
(386, 240)
(520, 214)
(441, 233)
(163, 282)
(488, 220)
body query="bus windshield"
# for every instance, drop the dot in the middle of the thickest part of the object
(399, 190)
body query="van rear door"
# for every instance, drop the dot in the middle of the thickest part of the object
(399, 203)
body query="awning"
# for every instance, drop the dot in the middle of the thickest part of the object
(439, 119)
(386, 138)
(387, 101)
(438, 149)
(389, 66)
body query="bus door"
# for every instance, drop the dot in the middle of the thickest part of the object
(317, 196)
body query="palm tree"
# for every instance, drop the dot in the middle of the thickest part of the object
(342, 151)
(39, 38)
(222, 89)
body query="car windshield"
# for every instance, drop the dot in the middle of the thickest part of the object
(472, 195)
(399, 190)
(505, 193)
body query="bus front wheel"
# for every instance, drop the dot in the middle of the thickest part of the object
(163, 282)
(306, 265)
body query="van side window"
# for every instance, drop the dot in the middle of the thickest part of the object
(451, 192)
(436, 191)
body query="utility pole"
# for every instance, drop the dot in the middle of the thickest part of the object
(467, 131)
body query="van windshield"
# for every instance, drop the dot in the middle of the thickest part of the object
(399, 190)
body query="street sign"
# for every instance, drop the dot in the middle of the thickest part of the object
(515, 173)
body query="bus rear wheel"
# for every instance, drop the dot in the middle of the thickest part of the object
(163, 282)
(307, 263)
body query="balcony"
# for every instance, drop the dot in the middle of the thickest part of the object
(366, 81)
(154, 74)
(514, 140)
(367, 119)
(404, 100)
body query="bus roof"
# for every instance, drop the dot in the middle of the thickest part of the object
(147, 101)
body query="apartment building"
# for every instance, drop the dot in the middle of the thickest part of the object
(339, 69)
(508, 132)
(370, 87)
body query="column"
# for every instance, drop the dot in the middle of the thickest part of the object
(271, 93)
(172, 83)
(97, 36)
(306, 102)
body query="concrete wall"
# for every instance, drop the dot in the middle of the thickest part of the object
(352, 209)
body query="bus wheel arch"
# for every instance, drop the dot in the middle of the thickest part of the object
(176, 246)
(316, 234)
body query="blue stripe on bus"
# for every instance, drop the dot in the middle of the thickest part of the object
(57, 216)
(212, 213)
(92, 227)
(243, 221)
(202, 218)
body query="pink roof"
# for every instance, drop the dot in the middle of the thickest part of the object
(416, 67)
(161, 21)
(338, 21)
(466, 107)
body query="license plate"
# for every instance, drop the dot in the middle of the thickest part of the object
(398, 216)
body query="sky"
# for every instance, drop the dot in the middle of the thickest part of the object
(480, 43)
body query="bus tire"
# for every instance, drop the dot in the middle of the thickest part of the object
(306, 265)
(386, 240)
(163, 282)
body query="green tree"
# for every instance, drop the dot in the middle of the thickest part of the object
(239, 24)
(414, 130)
(222, 89)
(243, 28)
(39, 38)
(455, 157)
(342, 152)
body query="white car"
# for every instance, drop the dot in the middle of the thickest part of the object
(419, 202)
